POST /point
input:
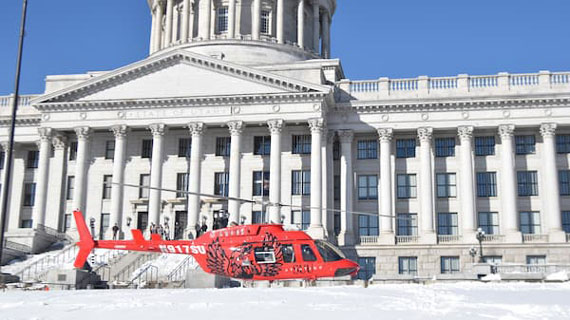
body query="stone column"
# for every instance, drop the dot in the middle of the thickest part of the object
(197, 131)
(316, 25)
(275, 127)
(43, 174)
(117, 189)
(385, 186)
(169, 19)
(16, 192)
(153, 29)
(329, 184)
(256, 20)
(326, 49)
(301, 24)
(551, 198)
(316, 229)
(236, 128)
(191, 25)
(154, 198)
(426, 186)
(508, 185)
(232, 19)
(205, 16)
(281, 21)
(185, 20)
(57, 183)
(346, 236)
(467, 183)
(81, 164)
(158, 35)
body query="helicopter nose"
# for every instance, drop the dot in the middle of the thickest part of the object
(348, 268)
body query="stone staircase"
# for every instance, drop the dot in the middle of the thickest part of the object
(13, 250)
(37, 271)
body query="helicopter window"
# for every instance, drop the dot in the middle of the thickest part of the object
(288, 253)
(308, 254)
(328, 252)
(264, 255)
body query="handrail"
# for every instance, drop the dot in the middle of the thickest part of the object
(150, 274)
(39, 268)
(181, 269)
(54, 233)
(17, 246)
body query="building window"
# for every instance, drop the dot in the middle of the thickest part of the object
(221, 180)
(525, 144)
(70, 188)
(29, 194)
(223, 146)
(566, 221)
(32, 161)
(336, 150)
(301, 182)
(489, 222)
(336, 187)
(262, 146)
(302, 219)
(107, 186)
(445, 147)
(408, 265)
(447, 224)
(105, 221)
(530, 222)
(449, 265)
(261, 183)
(494, 260)
(26, 223)
(407, 186)
(222, 19)
(367, 149)
(564, 181)
(182, 185)
(73, 151)
(563, 143)
(485, 146)
(406, 148)
(146, 152)
(367, 268)
(258, 217)
(110, 149)
(407, 224)
(144, 181)
(2, 159)
(535, 260)
(446, 185)
(527, 182)
(486, 184)
(67, 222)
(301, 144)
(184, 147)
(265, 22)
(367, 225)
(368, 187)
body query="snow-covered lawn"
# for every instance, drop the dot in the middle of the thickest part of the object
(406, 301)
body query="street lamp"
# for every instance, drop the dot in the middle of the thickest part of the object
(129, 219)
(472, 253)
(480, 235)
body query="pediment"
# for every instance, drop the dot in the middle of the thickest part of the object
(180, 74)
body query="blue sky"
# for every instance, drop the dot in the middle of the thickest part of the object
(373, 38)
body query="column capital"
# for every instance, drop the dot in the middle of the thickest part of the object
(345, 136)
(317, 125)
(6, 145)
(385, 134)
(425, 134)
(83, 133)
(236, 127)
(157, 129)
(548, 129)
(329, 137)
(45, 134)
(275, 126)
(196, 128)
(120, 131)
(59, 142)
(506, 130)
(465, 132)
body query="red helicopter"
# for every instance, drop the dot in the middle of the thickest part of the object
(251, 252)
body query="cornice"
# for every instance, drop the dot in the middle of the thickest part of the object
(22, 121)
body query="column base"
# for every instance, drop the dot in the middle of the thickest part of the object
(317, 232)
(345, 238)
(387, 238)
(513, 237)
(557, 236)
(428, 238)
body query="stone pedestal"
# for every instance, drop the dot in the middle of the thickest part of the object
(513, 237)
(387, 239)
(557, 237)
(428, 238)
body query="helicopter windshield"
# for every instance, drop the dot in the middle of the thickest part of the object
(328, 251)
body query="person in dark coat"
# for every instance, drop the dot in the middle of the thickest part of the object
(115, 232)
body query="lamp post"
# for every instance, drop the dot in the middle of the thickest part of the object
(480, 235)
(472, 253)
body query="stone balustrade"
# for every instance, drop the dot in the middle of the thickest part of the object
(448, 238)
(368, 240)
(461, 85)
(494, 238)
(25, 101)
(535, 238)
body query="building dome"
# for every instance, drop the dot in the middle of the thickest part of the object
(249, 32)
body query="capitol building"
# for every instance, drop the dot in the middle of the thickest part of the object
(242, 99)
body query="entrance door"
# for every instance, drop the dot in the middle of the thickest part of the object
(180, 224)
(104, 225)
(142, 221)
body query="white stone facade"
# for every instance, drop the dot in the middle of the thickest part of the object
(202, 84)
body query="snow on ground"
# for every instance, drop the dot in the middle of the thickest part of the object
(466, 300)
